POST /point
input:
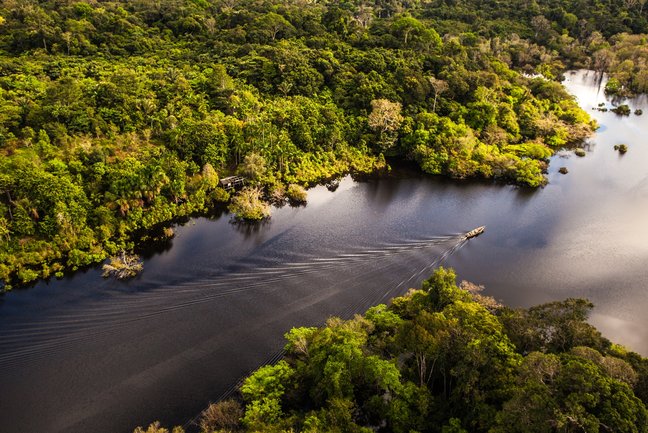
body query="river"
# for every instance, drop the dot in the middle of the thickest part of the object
(84, 354)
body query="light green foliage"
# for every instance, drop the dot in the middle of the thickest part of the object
(263, 391)
(626, 62)
(442, 289)
(74, 208)
(415, 33)
(338, 364)
(498, 136)
(254, 167)
(299, 340)
(530, 150)
(272, 25)
(383, 318)
(268, 382)
(209, 176)
(529, 172)
(296, 193)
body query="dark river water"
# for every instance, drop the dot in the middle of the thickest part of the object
(86, 354)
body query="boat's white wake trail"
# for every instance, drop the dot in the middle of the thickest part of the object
(324, 273)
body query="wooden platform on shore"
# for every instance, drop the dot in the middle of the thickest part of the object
(232, 182)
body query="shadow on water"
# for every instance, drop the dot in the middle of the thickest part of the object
(250, 229)
(524, 195)
(381, 193)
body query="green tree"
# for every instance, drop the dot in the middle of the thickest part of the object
(38, 23)
(263, 392)
(553, 327)
(565, 393)
(254, 166)
(272, 24)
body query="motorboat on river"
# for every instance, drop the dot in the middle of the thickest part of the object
(474, 232)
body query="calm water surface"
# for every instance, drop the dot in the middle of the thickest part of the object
(86, 354)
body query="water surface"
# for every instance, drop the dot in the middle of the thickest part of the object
(86, 354)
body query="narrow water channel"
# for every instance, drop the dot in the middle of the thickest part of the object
(87, 354)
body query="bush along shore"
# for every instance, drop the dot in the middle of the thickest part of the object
(116, 117)
(443, 359)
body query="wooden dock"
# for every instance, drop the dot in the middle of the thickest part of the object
(232, 182)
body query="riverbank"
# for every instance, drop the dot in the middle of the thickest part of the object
(156, 192)
(113, 131)
(156, 189)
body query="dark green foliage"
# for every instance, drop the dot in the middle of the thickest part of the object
(570, 393)
(623, 110)
(554, 327)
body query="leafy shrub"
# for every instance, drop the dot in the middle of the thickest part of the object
(248, 205)
(296, 193)
(224, 415)
(622, 110)
(613, 86)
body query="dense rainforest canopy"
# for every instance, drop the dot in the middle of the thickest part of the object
(444, 359)
(117, 116)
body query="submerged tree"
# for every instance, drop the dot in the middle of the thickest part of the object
(123, 266)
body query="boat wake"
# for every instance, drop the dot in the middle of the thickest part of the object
(308, 279)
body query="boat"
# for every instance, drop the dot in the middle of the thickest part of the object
(475, 232)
